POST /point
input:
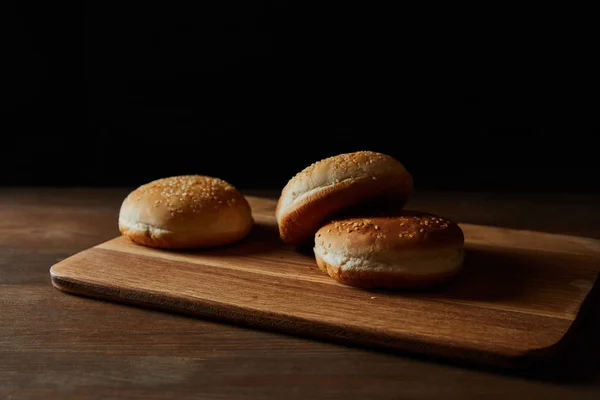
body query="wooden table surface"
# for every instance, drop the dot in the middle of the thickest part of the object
(59, 346)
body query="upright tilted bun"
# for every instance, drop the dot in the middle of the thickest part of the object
(336, 184)
(406, 249)
(185, 212)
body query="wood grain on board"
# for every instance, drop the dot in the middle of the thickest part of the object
(514, 302)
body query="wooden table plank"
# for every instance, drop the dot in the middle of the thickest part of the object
(57, 346)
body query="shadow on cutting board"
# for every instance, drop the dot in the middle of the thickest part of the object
(492, 275)
(495, 274)
(573, 360)
(263, 238)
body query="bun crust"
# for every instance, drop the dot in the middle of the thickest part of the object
(338, 184)
(404, 249)
(185, 212)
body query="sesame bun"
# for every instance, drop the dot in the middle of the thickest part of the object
(337, 184)
(408, 249)
(184, 212)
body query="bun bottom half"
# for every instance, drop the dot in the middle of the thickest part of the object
(372, 279)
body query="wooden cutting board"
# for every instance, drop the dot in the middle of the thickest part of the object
(515, 301)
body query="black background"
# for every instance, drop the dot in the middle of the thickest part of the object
(122, 93)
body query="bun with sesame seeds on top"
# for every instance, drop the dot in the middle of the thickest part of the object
(404, 249)
(335, 185)
(185, 212)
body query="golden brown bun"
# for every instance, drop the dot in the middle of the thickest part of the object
(337, 184)
(406, 249)
(185, 212)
